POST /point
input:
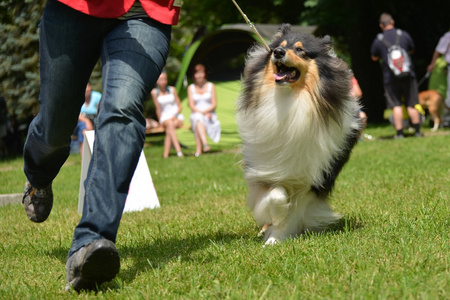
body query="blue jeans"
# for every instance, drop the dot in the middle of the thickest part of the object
(133, 54)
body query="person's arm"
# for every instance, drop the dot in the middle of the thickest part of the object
(156, 103)
(356, 89)
(433, 61)
(89, 125)
(374, 51)
(191, 100)
(213, 99)
(410, 41)
(177, 99)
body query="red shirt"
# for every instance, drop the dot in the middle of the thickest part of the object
(163, 11)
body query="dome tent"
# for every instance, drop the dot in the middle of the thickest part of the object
(223, 51)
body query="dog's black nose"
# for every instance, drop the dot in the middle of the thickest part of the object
(279, 52)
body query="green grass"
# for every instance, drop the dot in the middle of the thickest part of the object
(393, 242)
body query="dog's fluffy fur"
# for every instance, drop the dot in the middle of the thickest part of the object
(432, 100)
(298, 125)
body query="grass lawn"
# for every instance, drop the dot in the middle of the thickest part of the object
(393, 242)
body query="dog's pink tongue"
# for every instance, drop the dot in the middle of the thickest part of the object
(281, 75)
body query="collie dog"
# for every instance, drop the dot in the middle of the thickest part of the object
(432, 100)
(298, 125)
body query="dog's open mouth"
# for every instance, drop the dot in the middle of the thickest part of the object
(285, 74)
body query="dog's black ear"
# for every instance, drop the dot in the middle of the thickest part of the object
(282, 30)
(326, 40)
(328, 44)
(285, 28)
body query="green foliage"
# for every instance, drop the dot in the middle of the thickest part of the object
(19, 75)
(181, 38)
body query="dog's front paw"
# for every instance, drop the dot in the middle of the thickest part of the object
(271, 241)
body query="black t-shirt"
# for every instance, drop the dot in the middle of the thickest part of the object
(379, 49)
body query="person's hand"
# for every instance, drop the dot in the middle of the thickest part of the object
(430, 67)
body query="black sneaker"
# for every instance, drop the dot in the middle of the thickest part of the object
(398, 136)
(418, 134)
(38, 203)
(92, 265)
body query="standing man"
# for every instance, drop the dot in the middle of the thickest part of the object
(132, 39)
(395, 87)
(443, 48)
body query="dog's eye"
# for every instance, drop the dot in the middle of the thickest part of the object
(299, 49)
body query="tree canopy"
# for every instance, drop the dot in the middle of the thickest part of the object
(19, 61)
(353, 24)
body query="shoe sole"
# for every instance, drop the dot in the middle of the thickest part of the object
(38, 215)
(40, 210)
(101, 264)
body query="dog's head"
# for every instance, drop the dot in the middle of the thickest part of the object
(294, 55)
(299, 63)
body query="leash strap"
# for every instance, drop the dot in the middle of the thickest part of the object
(423, 79)
(251, 26)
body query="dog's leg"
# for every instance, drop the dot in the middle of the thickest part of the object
(256, 192)
(434, 112)
(436, 120)
(288, 226)
(277, 233)
(270, 206)
(273, 206)
(436, 125)
(278, 208)
(264, 229)
(318, 214)
(307, 212)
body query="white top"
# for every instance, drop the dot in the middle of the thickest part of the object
(443, 46)
(203, 102)
(169, 107)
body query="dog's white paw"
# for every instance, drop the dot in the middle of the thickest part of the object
(271, 241)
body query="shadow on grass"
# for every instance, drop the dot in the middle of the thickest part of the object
(148, 257)
(392, 136)
(60, 253)
(345, 224)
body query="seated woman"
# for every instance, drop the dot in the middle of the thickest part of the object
(90, 106)
(168, 111)
(87, 116)
(203, 102)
